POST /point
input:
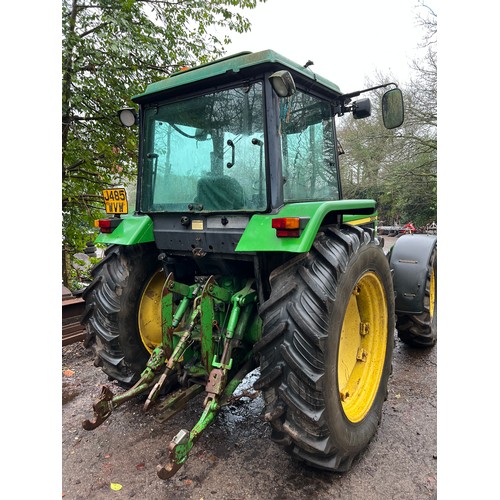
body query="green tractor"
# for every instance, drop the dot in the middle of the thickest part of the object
(243, 254)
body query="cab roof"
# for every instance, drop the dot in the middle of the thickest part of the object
(240, 65)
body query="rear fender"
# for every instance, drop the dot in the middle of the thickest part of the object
(259, 235)
(409, 261)
(132, 230)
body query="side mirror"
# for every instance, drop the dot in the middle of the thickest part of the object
(361, 109)
(393, 108)
(283, 83)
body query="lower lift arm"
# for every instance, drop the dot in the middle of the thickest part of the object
(217, 388)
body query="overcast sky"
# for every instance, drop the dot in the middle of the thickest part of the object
(347, 41)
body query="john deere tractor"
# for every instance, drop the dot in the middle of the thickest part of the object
(242, 254)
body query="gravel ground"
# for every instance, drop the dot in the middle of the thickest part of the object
(234, 458)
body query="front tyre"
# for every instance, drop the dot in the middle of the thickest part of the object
(123, 310)
(420, 330)
(326, 350)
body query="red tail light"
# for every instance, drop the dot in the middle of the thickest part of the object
(289, 227)
(107, 225)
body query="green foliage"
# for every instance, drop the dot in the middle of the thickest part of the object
(111, 49)
(398, 168)
(79, 275)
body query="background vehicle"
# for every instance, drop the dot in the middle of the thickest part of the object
(243, 253)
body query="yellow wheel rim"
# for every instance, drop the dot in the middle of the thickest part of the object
(432, 293)
(149, 316)
(362, 348)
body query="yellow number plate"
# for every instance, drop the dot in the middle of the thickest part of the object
(115, 200)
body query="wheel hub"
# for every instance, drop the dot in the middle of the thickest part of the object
(362, 347)
(149, 314)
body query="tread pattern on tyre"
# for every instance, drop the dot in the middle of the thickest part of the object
(111, 310)
(292, 349)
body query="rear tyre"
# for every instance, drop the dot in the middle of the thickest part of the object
(122, 310)
(326, 350)
(420, 330)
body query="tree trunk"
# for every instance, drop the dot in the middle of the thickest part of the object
(67, 77)
(66, 266)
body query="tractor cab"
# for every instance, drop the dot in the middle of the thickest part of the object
(248, 134)
(231, 143)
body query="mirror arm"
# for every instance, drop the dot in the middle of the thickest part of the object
(345, 98)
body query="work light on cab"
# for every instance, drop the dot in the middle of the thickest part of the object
(127, 116)
(283, 83)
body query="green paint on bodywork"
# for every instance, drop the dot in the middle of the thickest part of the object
(232, 64)
(133, 230)
(259, 235)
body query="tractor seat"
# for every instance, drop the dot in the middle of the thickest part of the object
(220, 193)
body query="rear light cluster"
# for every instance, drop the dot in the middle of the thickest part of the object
(107, 225)
(289, 227)
(286, 227)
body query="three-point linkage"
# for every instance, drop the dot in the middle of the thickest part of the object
(195, 326)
